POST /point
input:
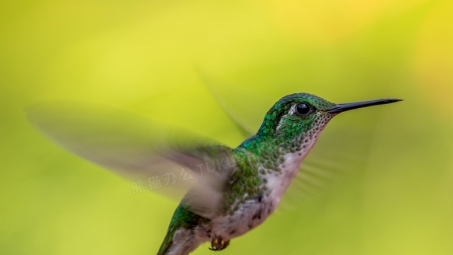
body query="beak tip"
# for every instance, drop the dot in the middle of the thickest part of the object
(350, 106)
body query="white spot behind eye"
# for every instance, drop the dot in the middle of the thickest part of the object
(291, 111)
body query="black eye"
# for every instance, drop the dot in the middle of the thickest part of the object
(303, 109)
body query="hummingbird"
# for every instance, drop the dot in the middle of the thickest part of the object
(233, 190)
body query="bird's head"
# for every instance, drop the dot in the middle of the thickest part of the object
(300, 118)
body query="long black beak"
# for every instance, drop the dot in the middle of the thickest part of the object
(350, 106)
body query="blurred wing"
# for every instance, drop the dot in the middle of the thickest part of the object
(157, 157)
(247, 119)
(339, 155)
(245, 130)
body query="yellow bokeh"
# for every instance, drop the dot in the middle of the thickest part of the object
(180, 62)
(433, 58)
(329, 21)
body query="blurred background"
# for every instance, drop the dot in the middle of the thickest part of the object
(177, 60)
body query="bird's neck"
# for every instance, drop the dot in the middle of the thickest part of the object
(277, 160)
(276, 152)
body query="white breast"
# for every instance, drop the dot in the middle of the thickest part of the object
(277, 183)
(252, 213)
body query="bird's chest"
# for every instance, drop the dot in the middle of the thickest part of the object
(278, 181)
(248, 215)
(252, 212)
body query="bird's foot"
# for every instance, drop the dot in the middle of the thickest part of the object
(218, 244)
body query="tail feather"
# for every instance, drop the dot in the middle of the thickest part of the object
(166, 244)
(180, 238)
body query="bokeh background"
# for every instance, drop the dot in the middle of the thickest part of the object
(176, 60)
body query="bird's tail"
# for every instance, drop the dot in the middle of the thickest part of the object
(167, 244)
(180, 238)
(179, 242)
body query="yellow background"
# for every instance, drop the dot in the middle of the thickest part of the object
(162, 58)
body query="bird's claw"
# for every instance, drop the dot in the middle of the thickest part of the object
(218, 244)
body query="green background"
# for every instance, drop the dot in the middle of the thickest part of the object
(164, 59)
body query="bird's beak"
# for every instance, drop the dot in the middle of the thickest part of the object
(350, 106)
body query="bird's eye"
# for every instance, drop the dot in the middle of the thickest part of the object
(303, 109)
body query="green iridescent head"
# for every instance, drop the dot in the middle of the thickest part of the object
(303, 113)
(294, 114)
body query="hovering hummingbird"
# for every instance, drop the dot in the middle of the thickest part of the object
(233, 190)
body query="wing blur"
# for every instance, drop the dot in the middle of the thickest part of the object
(140, 149)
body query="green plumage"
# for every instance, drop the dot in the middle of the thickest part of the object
(232, 190)
(256, 157)
(182, 218)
